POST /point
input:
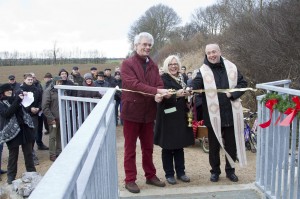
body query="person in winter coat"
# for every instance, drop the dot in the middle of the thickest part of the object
(118, 82)
(76, 77)
(16, 127)
(34, 108)
(109, 78)
(51, 112)
(14, 84)
(88, 81)
(48, 79)
(219, 73)
(63, 73)
(172, 133)
(140, 74)
(100, 82)
(1, 171)
(39, 135)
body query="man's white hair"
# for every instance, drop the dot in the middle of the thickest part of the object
(138, 38)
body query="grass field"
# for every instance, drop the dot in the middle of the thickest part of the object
(40, 70)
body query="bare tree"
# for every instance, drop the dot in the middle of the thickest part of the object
(55, 50)
(159, 21)
(209, 18)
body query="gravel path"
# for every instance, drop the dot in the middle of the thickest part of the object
(196, 163)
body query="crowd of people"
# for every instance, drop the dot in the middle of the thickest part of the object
(23, 126)
(156, 112)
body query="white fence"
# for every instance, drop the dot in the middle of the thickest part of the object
(87, 166)
(278, 152)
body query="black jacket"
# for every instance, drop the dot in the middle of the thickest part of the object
(26, 133)
(221, 80)
(171, 129)
(37, 94)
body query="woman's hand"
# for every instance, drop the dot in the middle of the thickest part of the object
(34, 110)
(182, 93)
(21, 96)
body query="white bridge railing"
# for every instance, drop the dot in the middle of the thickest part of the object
(87, 166)
(277, 169)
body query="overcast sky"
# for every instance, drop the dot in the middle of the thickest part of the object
(34, 25)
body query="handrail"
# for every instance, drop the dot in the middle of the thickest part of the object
(87, 166)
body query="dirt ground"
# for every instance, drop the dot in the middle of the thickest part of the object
(196, 163)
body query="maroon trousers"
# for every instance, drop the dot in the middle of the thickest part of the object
(143, 131)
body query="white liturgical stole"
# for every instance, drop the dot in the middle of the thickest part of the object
(214, 110)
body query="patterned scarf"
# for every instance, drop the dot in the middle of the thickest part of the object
(179, 79)
(12, 128)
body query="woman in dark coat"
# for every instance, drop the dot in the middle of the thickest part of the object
(172, 133)
(16, 128)
(88, 81)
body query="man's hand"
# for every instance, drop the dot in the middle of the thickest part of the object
(158, 98)
(228, 95)
(162, 91)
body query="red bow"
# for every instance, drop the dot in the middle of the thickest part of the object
(291, 112)
(195, 125)
(270, 105)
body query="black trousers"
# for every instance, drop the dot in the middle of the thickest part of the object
(12, 166)
(214, 149)
(38, 133)
(170, 156)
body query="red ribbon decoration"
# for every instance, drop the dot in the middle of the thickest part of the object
(195, 125)
(270, 105)
(291, 112)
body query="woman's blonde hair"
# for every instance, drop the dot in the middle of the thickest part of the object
(168, 61)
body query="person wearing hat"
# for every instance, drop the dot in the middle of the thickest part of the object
(88, 81)
(109, 78)
(100, 82)
(47, 80)
(15, 85)
(17, 129)
(76, 77)
(94, 72)
(51, 111)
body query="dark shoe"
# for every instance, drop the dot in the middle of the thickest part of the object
(9, 180)
(132, 187)
(214, 177)
(46, 132)
(52, 158)
(3, 172)
(35, 160)
(43, 147)
(232, 177)
(184, 178)
(156, 182)
(171, 180)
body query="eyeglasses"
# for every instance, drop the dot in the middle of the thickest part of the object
(173, 64)
(146, 44)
